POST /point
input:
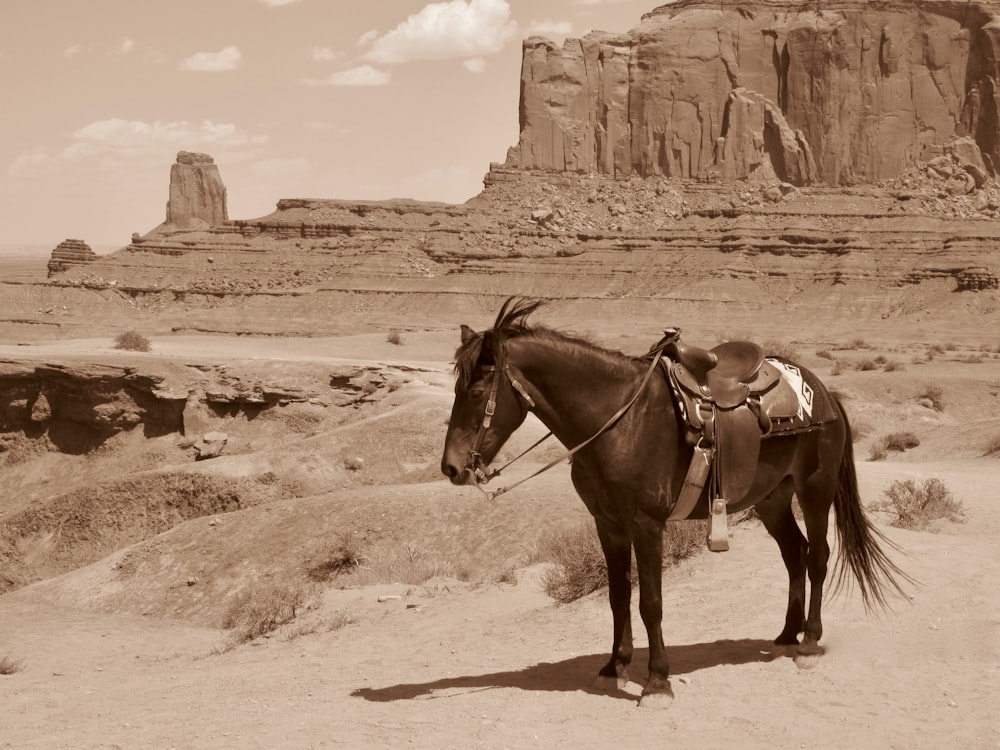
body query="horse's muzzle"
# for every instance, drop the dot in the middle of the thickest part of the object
(457, 475)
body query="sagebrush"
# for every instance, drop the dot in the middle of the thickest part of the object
(918, 506)
(133, 341)
(10, 666)
(580, 568)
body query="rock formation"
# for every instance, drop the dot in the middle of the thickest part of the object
(197, 195)
(834, 93)
(70, 253)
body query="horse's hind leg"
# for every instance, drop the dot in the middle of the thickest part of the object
(776, 514)
(816, 496)
(618, 555)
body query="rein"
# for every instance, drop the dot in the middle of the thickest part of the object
(476, 461)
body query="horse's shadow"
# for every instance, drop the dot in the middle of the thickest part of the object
(579, 672)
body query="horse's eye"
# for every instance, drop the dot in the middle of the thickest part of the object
(477, 392)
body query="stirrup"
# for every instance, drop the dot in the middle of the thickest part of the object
(718, 529)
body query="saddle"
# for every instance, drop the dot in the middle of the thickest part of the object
(731, 398)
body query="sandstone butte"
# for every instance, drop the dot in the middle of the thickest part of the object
(717, 161)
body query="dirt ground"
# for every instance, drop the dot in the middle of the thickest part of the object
(484, 663)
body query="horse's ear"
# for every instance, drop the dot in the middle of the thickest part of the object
(467, 334)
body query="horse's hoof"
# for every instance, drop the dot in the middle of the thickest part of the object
(660, 700)
(808, 655)
(607, 684)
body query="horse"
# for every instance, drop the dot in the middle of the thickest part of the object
(629, 475)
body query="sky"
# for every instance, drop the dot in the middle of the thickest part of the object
(352, 99)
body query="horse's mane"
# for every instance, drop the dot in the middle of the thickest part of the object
(489, 346)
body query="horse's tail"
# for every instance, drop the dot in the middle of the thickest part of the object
(860, 549)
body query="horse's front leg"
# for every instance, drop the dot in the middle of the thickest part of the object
(618, 556)
(649, 559)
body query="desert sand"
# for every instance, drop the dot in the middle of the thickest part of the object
(479, 657)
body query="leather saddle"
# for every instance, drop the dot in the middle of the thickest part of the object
(730, 396)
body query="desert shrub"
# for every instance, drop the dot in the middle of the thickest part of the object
(895, 441)
(933, 395)
(580, 568)
(824, 354)
(866, 365)
(918, 506)
(972, 359)
(132, 341)
(263, 608)
(391, 562)
(395, 337)
(900, 441)
(782, 349)
(861, 427)
(343, 557)
(10, 666)
(893, 366)
(881, 359)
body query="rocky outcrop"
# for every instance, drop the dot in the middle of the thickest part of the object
(197, 195)
(70, 253)
(837, 94)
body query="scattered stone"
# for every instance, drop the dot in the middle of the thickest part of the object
(210, 445)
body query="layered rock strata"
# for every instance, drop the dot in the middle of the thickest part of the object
(70, 253)
(197, 195)
(833, 93)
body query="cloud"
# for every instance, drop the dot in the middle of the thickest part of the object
(363, 75)
(323, 54)
(277, 3)
(213, 62)
(294, 167)
(73, 50)
(461, 29)
(474, 64)
(36, 160)
(368, 36)
(125, 46)
(550, 28)
(117, 142)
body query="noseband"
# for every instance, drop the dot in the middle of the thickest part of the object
(475, 462)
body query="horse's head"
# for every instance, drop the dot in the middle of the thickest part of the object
(487, 408)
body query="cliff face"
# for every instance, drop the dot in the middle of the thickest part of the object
(197, 195)
(855, 92)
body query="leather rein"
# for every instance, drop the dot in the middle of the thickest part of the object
(475, 461)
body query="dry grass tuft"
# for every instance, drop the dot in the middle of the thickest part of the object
(263, 608)
(9, 666)
(580, 568)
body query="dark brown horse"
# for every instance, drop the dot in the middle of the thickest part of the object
(630, 476)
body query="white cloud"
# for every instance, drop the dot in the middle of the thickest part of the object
(474, 64)
(460, 29)
(281, 167)
(550, 28)
(125, 46)
(277, 3)
(363, 75)
(323, 54)
(368, 36)
(213, 62)
(34, 161)
(73, 51)
(117, 142)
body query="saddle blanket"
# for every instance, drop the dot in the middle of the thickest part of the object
(812, 410)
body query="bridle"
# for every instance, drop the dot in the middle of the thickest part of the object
(475, 462)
